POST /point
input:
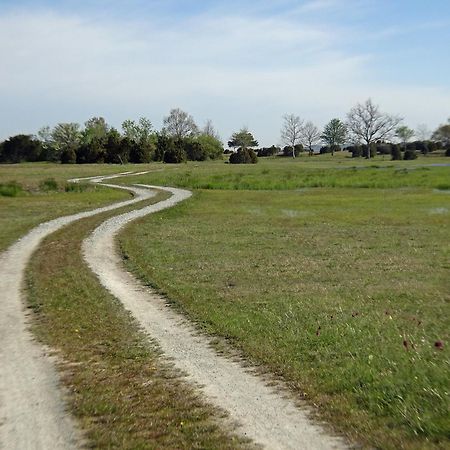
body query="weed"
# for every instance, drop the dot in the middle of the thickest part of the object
(49, 184)
(11, 189)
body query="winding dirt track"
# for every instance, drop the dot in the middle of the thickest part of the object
(262, 414)
(32, 410)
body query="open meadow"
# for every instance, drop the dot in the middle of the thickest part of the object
(330, 273)
(341, 289)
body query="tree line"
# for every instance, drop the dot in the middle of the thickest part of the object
(366, 132)
(97, 142)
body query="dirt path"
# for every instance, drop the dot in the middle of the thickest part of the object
(32, 411)
(263, 414)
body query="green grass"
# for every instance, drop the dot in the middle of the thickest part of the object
(122, 391)
(318, 171)
(343, 292)
(34, 193)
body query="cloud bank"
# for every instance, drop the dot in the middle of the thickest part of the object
(243, 67)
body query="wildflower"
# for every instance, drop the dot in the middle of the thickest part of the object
(439, 345)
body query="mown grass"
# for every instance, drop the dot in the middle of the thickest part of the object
(123, 392)
(318, 171)
(343, 292)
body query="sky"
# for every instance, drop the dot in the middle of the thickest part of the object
(238, 63)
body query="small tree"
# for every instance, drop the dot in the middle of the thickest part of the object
(404, 134)
(334, 134)
(291, 131)
(442, 134)
(310, 135)
(367, 124)
(242, 139)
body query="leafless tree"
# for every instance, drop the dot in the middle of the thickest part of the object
(291, 131)
(209, 130)
(310, 135)
(180, 124)
(422, 132)
(367, 124)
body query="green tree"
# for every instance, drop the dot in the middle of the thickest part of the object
(404, 134)
(20, 148)
(95, 129)
(49, 152)
(242, 139)
(211, 146)
(442, 134)
(117, 152)
(66, 137)
(334, 134)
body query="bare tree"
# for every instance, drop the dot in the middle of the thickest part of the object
(422, 132)
(367, 124)
(209, 130)
(310, 135)
(180, 124)
(291, 131)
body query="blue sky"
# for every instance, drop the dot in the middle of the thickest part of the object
(235, 62)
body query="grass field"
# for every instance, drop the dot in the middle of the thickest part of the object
(318, 171)
(332, 273)
(40, 194)
(342, 291)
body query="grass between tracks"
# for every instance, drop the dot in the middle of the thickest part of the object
(123, 392)
(344, 292)
(34, 193)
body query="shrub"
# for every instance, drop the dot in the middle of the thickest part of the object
(78, 187)
(268, 151)
(244, 156)
(447, 152)
(174, 155)
(396, 152)
(410, 154)
(48, 184)
(11, 189)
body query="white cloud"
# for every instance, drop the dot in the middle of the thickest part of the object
(234, 70)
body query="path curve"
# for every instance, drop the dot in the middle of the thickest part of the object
(32, 410)
(261, 412)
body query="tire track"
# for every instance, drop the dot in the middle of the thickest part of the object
(32, 409)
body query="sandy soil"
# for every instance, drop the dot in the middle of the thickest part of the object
(262, 413)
